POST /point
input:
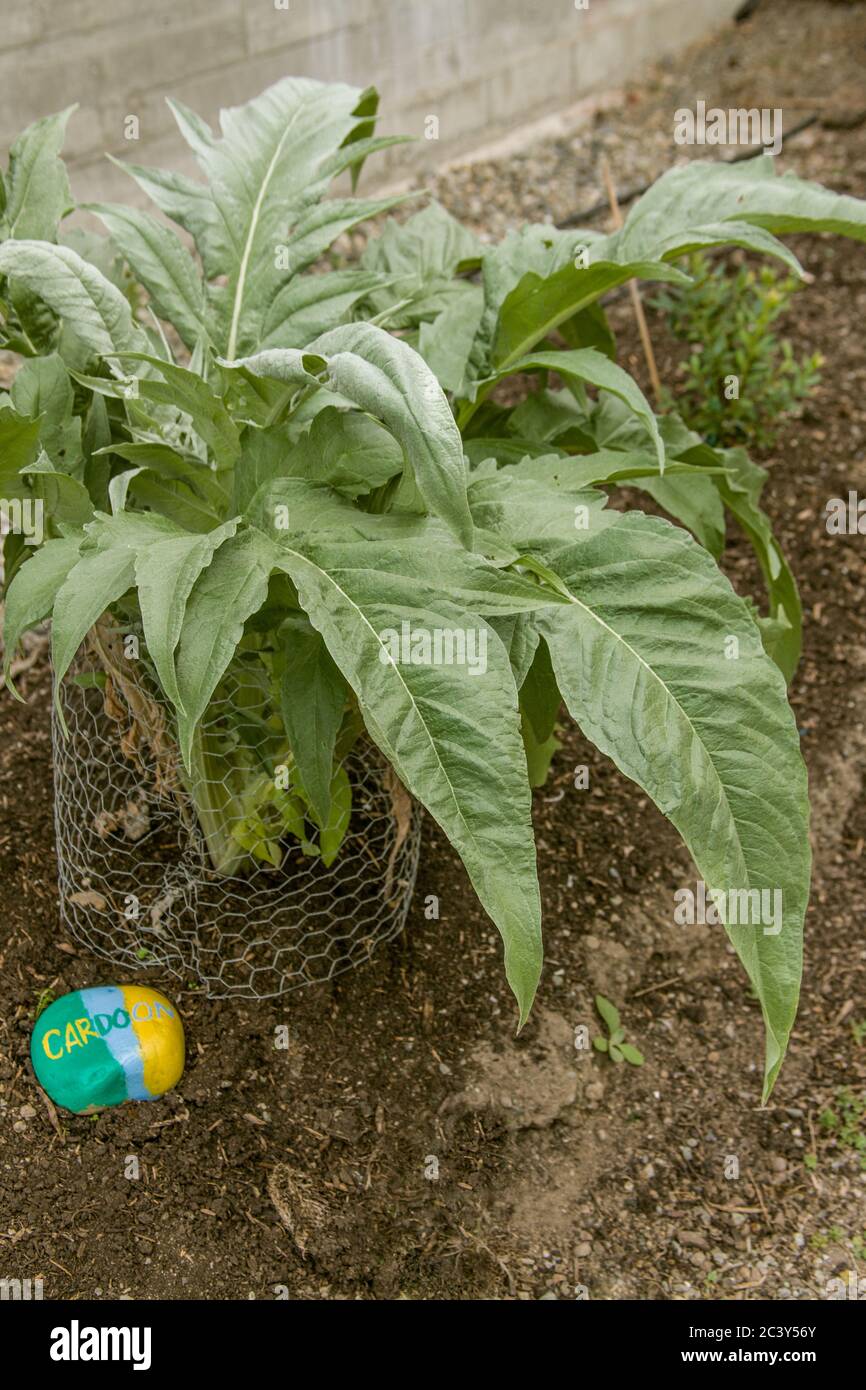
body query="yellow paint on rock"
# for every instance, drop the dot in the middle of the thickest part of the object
(157, 1026)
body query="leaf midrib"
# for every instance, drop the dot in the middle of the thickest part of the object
(253, 227)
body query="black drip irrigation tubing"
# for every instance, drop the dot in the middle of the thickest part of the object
(577, 219)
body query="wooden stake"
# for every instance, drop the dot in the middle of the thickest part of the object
(633, 289)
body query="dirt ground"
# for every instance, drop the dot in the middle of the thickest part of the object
(405, 1144)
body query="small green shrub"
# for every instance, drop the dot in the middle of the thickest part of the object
(726, 318)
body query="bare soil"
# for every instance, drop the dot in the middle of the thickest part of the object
(406, 1145)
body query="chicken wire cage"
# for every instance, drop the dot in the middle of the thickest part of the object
(137, 881)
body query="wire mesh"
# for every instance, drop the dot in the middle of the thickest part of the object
(137, 883)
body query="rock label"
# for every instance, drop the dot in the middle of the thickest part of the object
(98, 1047)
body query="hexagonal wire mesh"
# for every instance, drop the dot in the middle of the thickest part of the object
(137, 883)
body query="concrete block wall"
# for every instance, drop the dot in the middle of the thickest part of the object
(482, 67)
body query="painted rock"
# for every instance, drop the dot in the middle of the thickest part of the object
(103, 1046)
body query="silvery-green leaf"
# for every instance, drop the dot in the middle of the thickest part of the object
(185, 390)
(166, 462)
(723, 198)
(445, 344)
(312, 697)
(98, 579)
(66, 501)
(189, 204)
(351, 153)
(43, 391)
(259, 173)
(30, 597)
(531, 513)
(347, 450)
(92, 309)
(429, 244)
(165, 573)
(318, 226)
(163, 265)
(36, 186)
(311, 304)
(643, 659)
(229, 591)
(175, 500)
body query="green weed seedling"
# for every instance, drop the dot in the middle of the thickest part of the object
(615, 1045)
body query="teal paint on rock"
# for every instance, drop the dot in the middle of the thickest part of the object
(77, 1074)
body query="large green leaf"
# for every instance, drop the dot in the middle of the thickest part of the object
(434, 722)
(420, 252)
(318, 226)
(538, 304)
(740, 490)
(533, 513)
(644, 659)
(311, 304)
(19, 442)
(98, 579)
(420, 258)
(66, 501)
(694, 500)
(470, 580)
(445, 344)
(42, 390)
(189, 204)
(165, 462)
(347, 450)
(738, 483)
